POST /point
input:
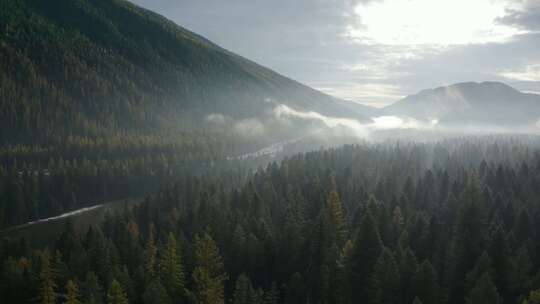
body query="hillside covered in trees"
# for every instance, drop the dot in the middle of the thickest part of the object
(93, 68)
(101, 99)
(104, 102)
(456, 221)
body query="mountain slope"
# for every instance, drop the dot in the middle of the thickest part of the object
(487, 102)
(89, 67)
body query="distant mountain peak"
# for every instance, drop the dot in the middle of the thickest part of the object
(471, 85)
(489, 101)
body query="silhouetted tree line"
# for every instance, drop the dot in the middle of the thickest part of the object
(452, 222)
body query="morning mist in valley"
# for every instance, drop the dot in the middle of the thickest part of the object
(270, 152)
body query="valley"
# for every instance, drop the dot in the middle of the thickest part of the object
(141, 162)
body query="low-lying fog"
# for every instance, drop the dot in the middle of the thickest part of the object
(282, 127)
(284, 123)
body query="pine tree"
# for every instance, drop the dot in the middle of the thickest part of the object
(209, 274)
(483, 266)
(124, 278)
(116, 294)
(61, 270)
(366, 251)
(243, 290)
(398, 222)
(384, 281)
(72, 295)
(293, 234)
(408, 266)
(92, 291)
(336, 218)
(343, 287)
(499, 252)
(171, 269)
(47, 293)
(521, 269)
(468, 238)
(329, 238)
(155, 293)
(484, 292)
(425, 283)
(150, 253)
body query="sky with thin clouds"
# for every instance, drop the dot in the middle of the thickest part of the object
(374, 51)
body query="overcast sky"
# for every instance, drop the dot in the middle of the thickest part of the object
(374, 51)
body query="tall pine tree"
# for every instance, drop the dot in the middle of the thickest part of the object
(171, 269)
(116, 294)
(366, 251)
(209, 275)
(72, 293)
(47, 289)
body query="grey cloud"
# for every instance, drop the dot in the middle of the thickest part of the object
(472, 63)
(528, 18)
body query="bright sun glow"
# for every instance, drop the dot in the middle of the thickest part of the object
(431, 22)
(530, 72)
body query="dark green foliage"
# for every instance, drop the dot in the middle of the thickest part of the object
(408, 266)
(295, 289)
(102, 100)
(425, 284)
(483, 266)
(171, 270)
(484, 292)
(155, 293)
(87, 68)
(384, 285)
(116, 294)
(366, 252)
(47, 277)
(244, 292)
(209, 274)
(533, 298)
(417, 301)
(72, 293)
(272, 296)
(92, 292)
(283, 236)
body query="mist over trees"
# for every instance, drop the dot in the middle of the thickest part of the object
(209, 196)
(449, 222)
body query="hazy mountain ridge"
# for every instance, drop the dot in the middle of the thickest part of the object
(493, 103)
(79, 66)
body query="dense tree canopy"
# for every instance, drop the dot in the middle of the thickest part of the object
(449, 222)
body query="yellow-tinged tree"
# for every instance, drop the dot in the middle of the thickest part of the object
(209, 274)
(116, 294)
(171, 270)
(47, 293)
(72, 295)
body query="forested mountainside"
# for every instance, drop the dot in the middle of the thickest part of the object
(92, 68)
(451, 222)
(104, 93)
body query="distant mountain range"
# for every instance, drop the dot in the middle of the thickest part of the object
(492, 103)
